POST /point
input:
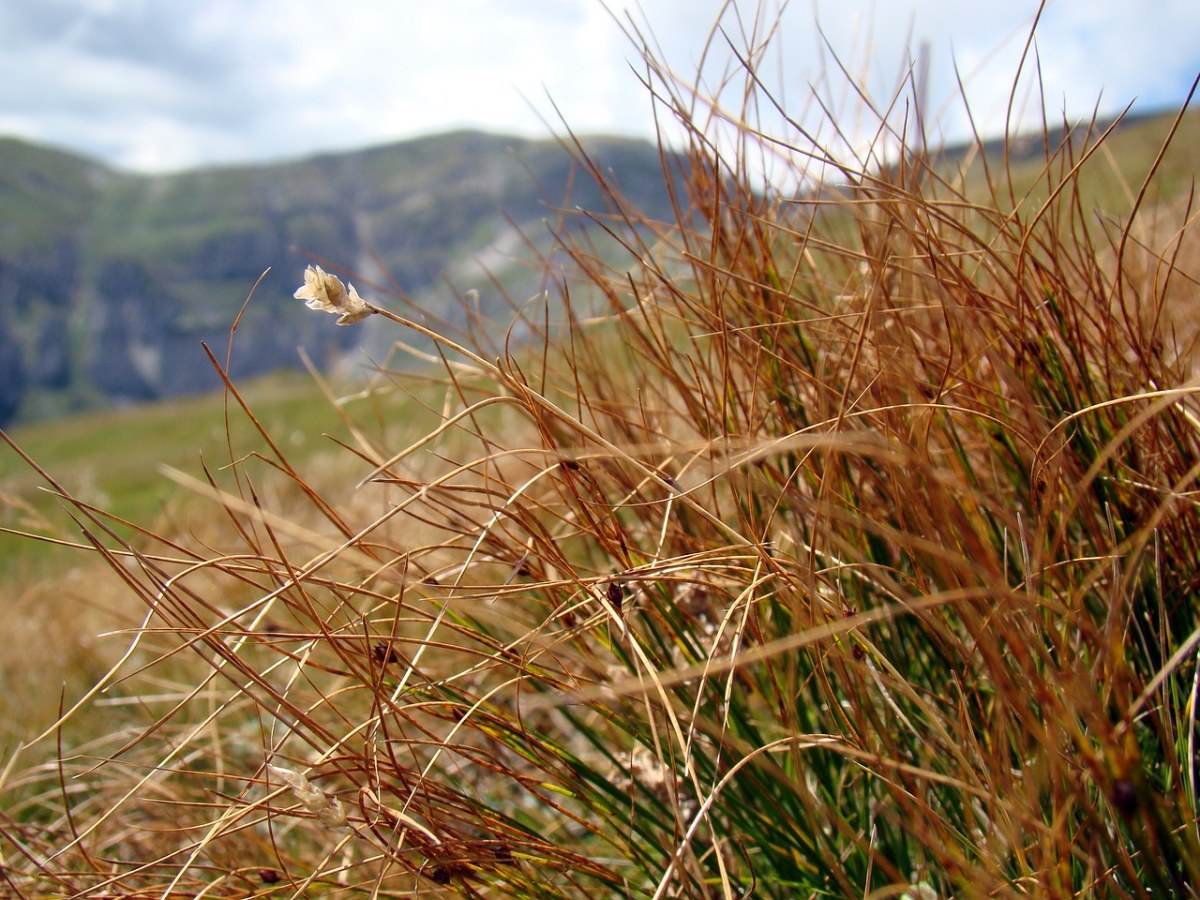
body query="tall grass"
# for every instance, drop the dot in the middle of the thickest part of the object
(838, 542)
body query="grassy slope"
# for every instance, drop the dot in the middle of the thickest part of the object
(120, 461)
(114, 457)
(60, 600)
(1111, 182)
(44, 194)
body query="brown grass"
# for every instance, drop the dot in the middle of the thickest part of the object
(837, 543)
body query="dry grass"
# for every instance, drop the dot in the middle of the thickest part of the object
(837, 544)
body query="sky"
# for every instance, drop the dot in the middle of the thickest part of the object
(164, 85)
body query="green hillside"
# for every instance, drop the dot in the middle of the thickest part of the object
(109, 281)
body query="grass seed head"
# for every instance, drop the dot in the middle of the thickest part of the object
(326, 292)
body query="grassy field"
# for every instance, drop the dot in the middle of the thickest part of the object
(816, 548)
(143, 468)
(114, 458)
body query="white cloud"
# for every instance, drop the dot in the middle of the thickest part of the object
(156, 85)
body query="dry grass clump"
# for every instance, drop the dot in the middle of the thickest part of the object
(835, 543)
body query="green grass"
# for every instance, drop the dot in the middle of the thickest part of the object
(36, 218)
(115, 458)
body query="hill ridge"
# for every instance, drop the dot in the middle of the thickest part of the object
(109, 279)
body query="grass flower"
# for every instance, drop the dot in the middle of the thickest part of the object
(326, 292)
(328, 810)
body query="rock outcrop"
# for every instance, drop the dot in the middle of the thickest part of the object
(110, 281)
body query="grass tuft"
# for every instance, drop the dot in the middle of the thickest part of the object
(835, 540)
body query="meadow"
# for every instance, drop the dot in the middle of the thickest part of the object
(831, 541)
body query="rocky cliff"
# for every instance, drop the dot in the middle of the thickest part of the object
(109, 281)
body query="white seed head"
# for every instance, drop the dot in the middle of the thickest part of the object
(326, 292)
(328, 810)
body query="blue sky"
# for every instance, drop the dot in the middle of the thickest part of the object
(154, 85)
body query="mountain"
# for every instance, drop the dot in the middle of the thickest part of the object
(109, 280)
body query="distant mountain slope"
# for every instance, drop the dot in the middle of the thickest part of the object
(109, 281)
